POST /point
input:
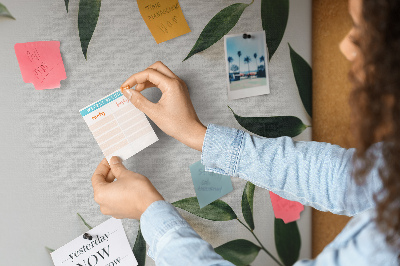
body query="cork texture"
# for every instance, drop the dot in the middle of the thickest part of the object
(331, 90)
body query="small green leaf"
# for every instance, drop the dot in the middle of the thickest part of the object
(4, 12)
(274, 17)
(215, 211)
(217, 27)
(88, 226)
(247, 204)
(287, 241)
(88, 15)
(239, 251)
(50, 249)
(66, 4)
(272, 127)
(139, 249)
(303, 75)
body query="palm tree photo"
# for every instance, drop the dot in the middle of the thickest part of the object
(239, 53)
(230, 60)
(255, 58)
(262, 59)
(247, 61)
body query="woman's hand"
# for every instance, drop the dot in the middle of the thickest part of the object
(127, 197)
(174, 113)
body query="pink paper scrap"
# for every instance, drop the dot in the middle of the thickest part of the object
(41, 64)
(288, 211)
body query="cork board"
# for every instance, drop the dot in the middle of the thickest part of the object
(331, 89)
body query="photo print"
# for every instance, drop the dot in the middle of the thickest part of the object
(246, 58)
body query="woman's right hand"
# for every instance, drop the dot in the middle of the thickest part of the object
(174, 112)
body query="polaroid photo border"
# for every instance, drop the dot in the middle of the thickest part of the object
(256, 86)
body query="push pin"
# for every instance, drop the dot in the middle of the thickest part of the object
(246, 36)
(87, 236)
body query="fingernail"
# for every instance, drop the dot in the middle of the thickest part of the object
(115, 160)
(128, 93)
(125, 88)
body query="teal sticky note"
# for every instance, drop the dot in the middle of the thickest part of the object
(209, 186)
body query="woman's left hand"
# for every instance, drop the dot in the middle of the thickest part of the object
(128, 196)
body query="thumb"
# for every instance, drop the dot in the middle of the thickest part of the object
(138, 100)
(117, 167)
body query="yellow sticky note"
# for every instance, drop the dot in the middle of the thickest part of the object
(164, 18)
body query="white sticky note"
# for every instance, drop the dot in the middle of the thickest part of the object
(108, 247)
(118, 126)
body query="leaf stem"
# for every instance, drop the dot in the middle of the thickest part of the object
(262, 246)
(251, 2)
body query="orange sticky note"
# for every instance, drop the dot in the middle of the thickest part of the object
(284, 209)
(164, 18)
(41, 64)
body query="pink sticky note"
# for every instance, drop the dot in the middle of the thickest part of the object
(41, 64)
(284, 209)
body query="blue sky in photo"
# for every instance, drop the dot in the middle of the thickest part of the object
(248, 47)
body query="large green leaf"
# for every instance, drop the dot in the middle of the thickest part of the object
(239, 251)
(247, 204)
(4, 12)
(287, 241)
(272, 127)
(89, 11)
(274, 17)
(83, 220)
(66, 4)
(139, 249)
(303, 75)
(215, 211)
(217, 27)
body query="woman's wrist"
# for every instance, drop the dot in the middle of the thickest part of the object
(198, 137)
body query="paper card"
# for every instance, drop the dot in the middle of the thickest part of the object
(108, 247)
(246, 58)
(118, 126)
(284, 209)
(41, 64)
(209, 186)
(164, 18)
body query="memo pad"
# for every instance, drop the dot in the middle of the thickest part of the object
(118, 126)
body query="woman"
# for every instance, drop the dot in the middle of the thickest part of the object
(362, 182)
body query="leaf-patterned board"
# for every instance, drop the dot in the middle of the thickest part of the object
(217, 27)
(139, 248)
(4, 12)
(66, 4)
(88, 15)
(303, 75)
(215, 211)
(272, 127)
(274, 16)
(287, 241)
(240, 252)
(83, 220)
(247, 204)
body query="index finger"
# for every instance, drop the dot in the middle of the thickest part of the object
(100, 174)
(160, 80)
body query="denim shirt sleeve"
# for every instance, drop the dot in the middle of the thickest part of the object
(312, 173)
(172, 240)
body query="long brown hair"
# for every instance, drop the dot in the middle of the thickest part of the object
(375, 103)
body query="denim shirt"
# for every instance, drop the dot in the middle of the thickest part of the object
(312, 173)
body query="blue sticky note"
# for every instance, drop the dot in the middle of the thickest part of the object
(209, 186)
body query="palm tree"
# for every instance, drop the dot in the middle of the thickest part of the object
(262, 59)
(239, 54)
(230, 60)
(255, 58)
(247, 60)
